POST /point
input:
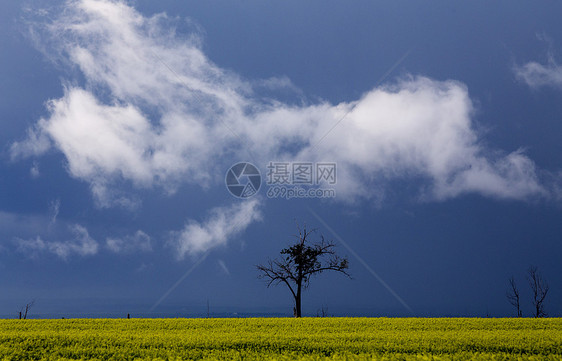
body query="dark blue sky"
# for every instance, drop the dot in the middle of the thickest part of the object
(119, 125)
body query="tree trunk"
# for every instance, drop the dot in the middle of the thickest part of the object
(298, 302)
(537, 311)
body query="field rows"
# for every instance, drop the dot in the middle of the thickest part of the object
(282, 339)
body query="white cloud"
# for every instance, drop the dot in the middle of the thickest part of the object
(31, 247)
(221, 224)
(37, 235)
(143, 267)
(34, 235)
(282, 83)
(54, 209)
(157, 112)
(80, 244)
(139, 242)
(537, 75)
(36, 143)
(420, 128)
(34, 171)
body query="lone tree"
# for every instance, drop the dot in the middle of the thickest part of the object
(513, 296)
(25, 310)
(300, 262)
(540, 288)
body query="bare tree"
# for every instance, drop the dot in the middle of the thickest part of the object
(299, 263)
(540, 288)
(513, 296)
(322, 312)
(25, 310)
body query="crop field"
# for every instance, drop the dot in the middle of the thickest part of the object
(282, 339)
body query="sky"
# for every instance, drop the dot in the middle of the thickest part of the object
(423, 139)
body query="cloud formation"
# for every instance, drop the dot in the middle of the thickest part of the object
(138, 242)
(80, 244)
(154, 111)
(157, 111)
(221, 224)
(54, 209)
(421, 129)
(537, 75)
(36, 235)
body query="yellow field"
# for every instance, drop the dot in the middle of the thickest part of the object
(282, 339)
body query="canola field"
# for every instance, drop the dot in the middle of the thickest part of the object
(282, 339)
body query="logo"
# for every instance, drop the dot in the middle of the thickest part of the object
(243, 180)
